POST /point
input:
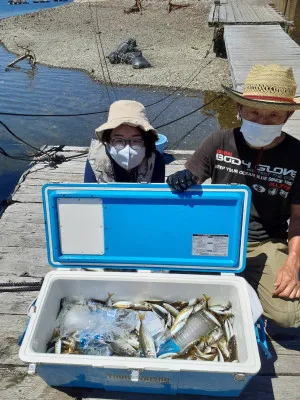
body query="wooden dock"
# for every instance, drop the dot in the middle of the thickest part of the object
(247, 45)
(23, 259)
(244, 12)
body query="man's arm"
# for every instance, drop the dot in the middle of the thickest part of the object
(287, 281)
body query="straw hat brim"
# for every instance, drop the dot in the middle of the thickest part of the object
(262, 104)
(114, 123)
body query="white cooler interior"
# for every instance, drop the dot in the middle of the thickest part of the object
(137, 287)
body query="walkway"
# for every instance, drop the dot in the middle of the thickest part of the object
(244, 12)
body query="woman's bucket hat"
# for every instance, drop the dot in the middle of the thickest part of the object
(268, 87)
(127, 112)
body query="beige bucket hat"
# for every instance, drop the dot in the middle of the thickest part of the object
(126, 112)
(268, 87)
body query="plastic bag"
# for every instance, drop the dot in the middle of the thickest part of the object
(128, 53)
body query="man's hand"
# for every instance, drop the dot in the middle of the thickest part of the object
(287, 282)
(181, 180)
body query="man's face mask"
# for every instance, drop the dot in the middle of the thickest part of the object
(127, 158)
(258, 135)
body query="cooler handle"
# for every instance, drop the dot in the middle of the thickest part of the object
(30, 311)
(261, 338)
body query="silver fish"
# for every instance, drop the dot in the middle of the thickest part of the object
(123, 348)
(193, 302)
(176, 328)
(222, 344)
(203, 356)
(108, 301)
(232, 347)
(220, 356)
(161, 311)
(214, 336)
(133, 342)
(183, 315)
(57, 346)
(167, 355)
(146, 340)
(172, 310)
(200, 306)
(122, 304)
(212, 318)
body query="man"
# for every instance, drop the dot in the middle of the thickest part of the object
(262, 156)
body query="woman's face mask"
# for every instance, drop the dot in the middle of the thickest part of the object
(127, 157)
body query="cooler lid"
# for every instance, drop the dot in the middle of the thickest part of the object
(147, 226)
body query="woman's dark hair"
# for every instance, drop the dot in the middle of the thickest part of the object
(148, 137)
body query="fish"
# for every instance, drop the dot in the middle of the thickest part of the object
(175, 328)
(220, 355)
(161, 312)
(200, 305)
(193, 302)
(212, 317)
(167, 355)
(179, 305)
(108, 301)
(232, 347)
(58, 346)
(172, 310)
(122, 304)
(228, 329)
(134, 306)
(214, 336)
(133, 340)
(146, 340)
(183, 315)
(203, 356)
(222, 345)
(142, 306)
(122, 348)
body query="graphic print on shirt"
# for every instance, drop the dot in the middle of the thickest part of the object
(273, 181)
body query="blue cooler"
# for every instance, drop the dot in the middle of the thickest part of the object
(202, 232)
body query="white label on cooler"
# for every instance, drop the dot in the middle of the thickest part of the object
(210, 245)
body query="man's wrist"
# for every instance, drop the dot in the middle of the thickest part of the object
(294, 259)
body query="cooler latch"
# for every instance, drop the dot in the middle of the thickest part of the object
(31, 369)
(135, 375)
(239, 377)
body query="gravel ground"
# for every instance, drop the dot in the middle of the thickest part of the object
(175, 44)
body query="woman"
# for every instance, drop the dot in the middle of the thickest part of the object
(125, 150)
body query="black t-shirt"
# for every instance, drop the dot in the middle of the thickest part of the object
(272, 175)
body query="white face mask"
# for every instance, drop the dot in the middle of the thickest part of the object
(127, 158)
(258, 135)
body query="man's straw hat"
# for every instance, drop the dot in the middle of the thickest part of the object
(268, 87)
(126, 112)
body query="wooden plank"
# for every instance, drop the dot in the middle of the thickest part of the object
(16, 302)
(21, 227)
(15, 383)
(35, 240)
(230, 14)
(36, 268)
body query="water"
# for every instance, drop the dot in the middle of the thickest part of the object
(8, 10)
(46, 90)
